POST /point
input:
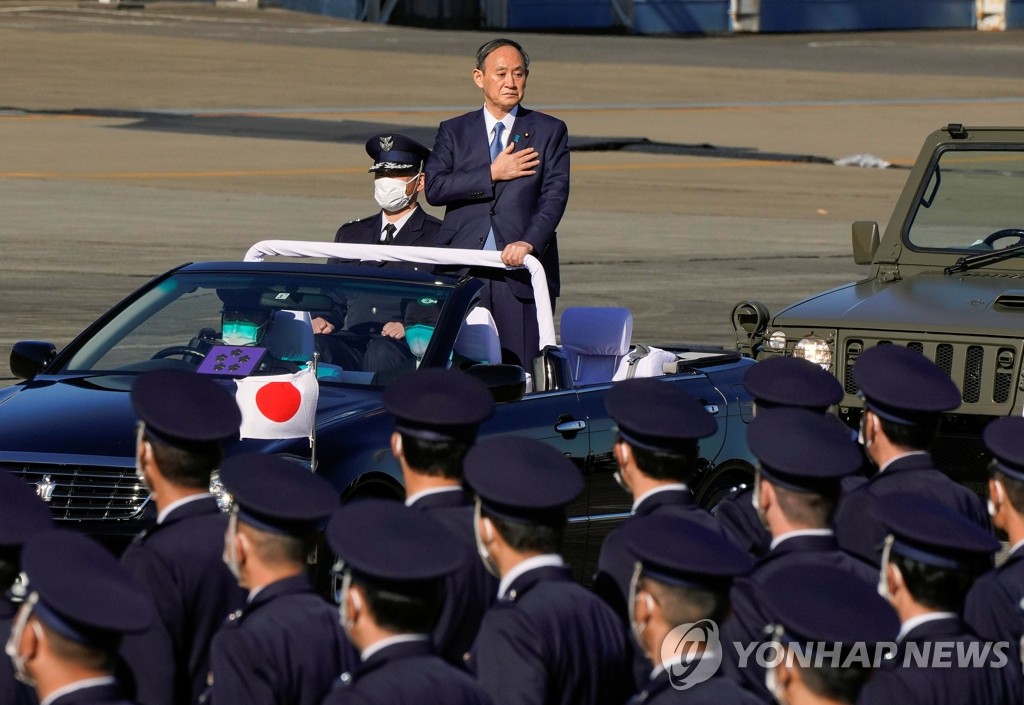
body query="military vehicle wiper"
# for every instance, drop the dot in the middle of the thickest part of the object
(984, 259)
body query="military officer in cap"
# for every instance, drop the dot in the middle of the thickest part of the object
(398, 180)
(932, 554)
(904, 396)
(995, 605)
(392, 561)
(803, 455)
(285, 645)
(659, 426)
(184, 418)
(547, 640)
(830, 633)
(22, 515)
(679, 592)
(437, 414)
(66, 634)
(778, 382)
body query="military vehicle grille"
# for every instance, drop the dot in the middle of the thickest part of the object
(81, 493)
(984, 373)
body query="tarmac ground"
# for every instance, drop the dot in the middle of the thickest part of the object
(134, 140)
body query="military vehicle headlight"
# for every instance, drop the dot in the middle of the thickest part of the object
(777, 340)
(814, 350)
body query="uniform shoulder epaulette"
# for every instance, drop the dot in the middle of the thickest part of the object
(360, 220)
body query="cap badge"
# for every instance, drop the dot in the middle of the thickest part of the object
(386, 143)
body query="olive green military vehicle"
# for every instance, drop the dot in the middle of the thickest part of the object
(946, 279)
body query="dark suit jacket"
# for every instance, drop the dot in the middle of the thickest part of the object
(179, 564)
(95, 695)
(12, 691)
(528, 208)
(550, 641)
(995, 604)
(858, 527)
(717, 690)
(408, 673)
(420, 231)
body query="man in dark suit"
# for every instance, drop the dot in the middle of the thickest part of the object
(502, 173)
(397, 182)
(547, 640)
(803, 455)
(285, 645)
(995, 605)
(905, 395)
(391, 562)
(184, 418)
(931, 556)
(437, 414)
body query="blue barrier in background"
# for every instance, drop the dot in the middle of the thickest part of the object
(854, 15)
(1015, 14)
(680, 16)
(559, 14)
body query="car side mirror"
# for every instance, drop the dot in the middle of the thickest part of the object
(865, 241)
(29, 357)
(505, 382)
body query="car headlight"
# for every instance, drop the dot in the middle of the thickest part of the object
(814, 350)
(776, 341)
(220, 492)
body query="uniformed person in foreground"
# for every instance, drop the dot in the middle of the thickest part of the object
(547, 640)
(778, 382)
(828, 629)
(437, 415)
(679, 593)
(285, 645)
(659, 426)
(392, 563)
(22, 515)
(905, 394)
(995, 605)
(803, 455)
(184, 418)
(931, 557)
(66, 634)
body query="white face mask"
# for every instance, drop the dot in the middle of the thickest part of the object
(755, 499)
(14, 640)
(635, 626)
(230, 556)
(343, 600)
(992, 508)
(481, 547)
(883, 576)
(390, 193)
(771, 682)
(138, 457)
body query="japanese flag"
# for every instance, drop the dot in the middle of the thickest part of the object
(278, 406)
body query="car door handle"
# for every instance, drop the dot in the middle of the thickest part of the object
(571, 426)
(711, 408)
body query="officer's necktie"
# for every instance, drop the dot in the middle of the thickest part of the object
(389, 233)
(499, 127)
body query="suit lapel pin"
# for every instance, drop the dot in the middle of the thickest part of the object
(526, 135)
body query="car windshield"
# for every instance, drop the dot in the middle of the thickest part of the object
(265, 323)
(974, 201)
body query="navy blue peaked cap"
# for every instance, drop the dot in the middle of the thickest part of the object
(929, 532)
(278, 495)
(820, 603)
(792, 381)
(384, 542)
(1005, 438)
(803, 450)
(680, 551)
(436, 404)
(522, 479)
(84, 594)
(396, 152)
(182, 408)
(22, 513)
(903, 386)
(658, 415)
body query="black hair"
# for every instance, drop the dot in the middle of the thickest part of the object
(842, 683)
(487, 49)
(682, 604)
(1014, 489)
(941, 589)
(406, 612)
(679, 465)
(186, 466)
(528, 537)
(434, 458)
(808, 508)
(919, 436)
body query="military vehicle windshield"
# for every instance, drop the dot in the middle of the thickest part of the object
(974, 201)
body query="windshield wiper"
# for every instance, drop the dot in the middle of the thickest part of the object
(984, 259)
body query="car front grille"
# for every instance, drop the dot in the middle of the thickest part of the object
(84, 493)
(984, 372)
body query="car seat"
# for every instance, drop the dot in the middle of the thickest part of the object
(595, 340)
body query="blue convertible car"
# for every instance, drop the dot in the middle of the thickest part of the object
(299, 342)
